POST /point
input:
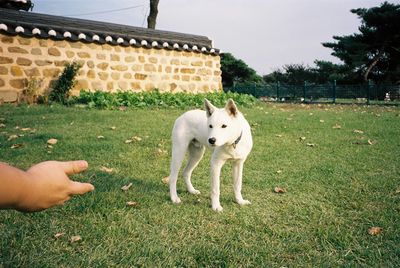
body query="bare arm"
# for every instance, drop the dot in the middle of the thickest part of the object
(42, 186)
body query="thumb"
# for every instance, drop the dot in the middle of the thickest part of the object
(74, 167)
(80, 188)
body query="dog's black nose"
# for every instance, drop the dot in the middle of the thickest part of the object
(212, 141)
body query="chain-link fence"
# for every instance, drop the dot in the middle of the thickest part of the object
(329, 93)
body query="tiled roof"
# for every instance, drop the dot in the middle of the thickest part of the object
(30, 24)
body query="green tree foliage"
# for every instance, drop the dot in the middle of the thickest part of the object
(236, 70)
(374, 52)
(65, 83)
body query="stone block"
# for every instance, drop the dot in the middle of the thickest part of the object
(60, 43)
(175, 62)
(168, 69)
(70, 54)
(53, 51)
(185, 78)
(198, 63)
(16, 71)
(75, 44)
(24, 41)
(32, 72)
(2, 83)
(110, 86)
(43, 62)
(114, 57)
(60, 63)
(43, 42)
(102, 66)
(101, 56)
(149, 87)
(3, 70)
(119, 67)
(127, 75)
(150, 68)
(7, 39)
(90, 64)
(115, 76)
(51, 72)
(136, 86)
(137, 67)
(91, 74)
(18, 83)
(188, 70)
(97, 85)
(18, 50)
(9, 95)
(83, 55)
(24, 61)
(81, 84)
(139, 76)
(36, 51)
(142, 59)
(103, 75)
(153, 60)
(130, 59)
(123, 85)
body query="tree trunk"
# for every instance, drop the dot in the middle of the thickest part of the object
(152, 18)
(373, 63)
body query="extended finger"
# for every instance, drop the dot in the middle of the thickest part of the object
(74, 167)
(80, 188)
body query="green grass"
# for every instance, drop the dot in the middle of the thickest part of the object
(336, 191)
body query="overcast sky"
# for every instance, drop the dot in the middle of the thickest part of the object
(266, 34)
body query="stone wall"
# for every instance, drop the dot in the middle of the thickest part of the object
(104, 67)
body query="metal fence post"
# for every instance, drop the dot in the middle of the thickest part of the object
(277, 91)
(368, 92)
(304, 91)
(334, 91)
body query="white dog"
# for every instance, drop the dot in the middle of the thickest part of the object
(226, 132)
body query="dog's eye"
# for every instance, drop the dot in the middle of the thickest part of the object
(210, 126)
(224, 126)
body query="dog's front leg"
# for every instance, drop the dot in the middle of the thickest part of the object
(237, 173)
(216, 165)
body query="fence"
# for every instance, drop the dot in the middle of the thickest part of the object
(327, 93)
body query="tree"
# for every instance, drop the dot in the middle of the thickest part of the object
(236, 70)
(374, 52)
(152, 18)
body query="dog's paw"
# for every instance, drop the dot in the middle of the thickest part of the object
(194, 191)
(243, 202)
(217, 208)
(176, 200)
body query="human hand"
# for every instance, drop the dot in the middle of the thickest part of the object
(50, 185)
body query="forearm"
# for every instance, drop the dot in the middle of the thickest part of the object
(13, 185)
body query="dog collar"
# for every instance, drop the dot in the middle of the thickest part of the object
(237, 140)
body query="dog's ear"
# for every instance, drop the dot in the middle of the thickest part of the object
(231, 108)
(209, 107)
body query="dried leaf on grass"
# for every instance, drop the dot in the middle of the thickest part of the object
(375, 230)
(128, 141)
(17, 145)
(26, 129)
(278, 135)
(279, 190)
(322, 121)
(2, 125)
(165, 180)
(100, 137)
(358, 131)
(113, 128)
(75, 238)
(302, 138)
(370, 142)
(279, 171)
(311, 144)
(336, 126)
(106, 169)
(397, 191)
(13, 137)
(52, 141)
(58, 235)
(136, 138)
(126, 187)
(132, 204)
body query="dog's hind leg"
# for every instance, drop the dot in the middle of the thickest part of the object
(178, 154)
(196, 152)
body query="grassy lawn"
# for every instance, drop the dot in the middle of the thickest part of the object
(335, 191)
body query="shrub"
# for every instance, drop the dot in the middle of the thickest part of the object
(65, 83)
(106, 100)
